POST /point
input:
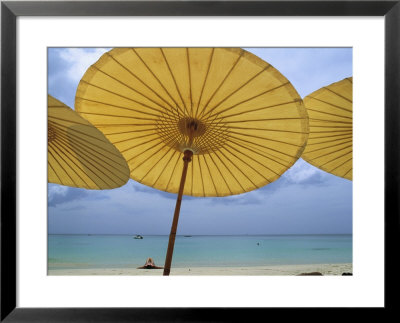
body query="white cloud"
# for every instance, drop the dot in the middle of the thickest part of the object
(301, 172)
(56, 190)
(80, 59)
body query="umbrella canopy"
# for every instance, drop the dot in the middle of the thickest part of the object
(79, 155)
(330, 143)
(240, 122)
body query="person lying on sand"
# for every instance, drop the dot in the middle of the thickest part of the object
(150, 265)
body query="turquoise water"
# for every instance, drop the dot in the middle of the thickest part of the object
(116, 251)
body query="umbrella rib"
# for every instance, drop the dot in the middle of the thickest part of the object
(229, 172)
(158, 80)
(331, 104)
(201, 176)
(249, 111)
(220, 85)
(126, 85)
(259, 137)
(332, 121)
(133, 138)
(124, 132)
(342, 143)
(176, 84)
(351, 158)
(322, 137)
(253, 159)
(147, 149)
(247, 164)
(171, 133)
(79, 137)
(55, 173)
(140, 80)
(323, 165)
(219, 171)
(152, 167)
(124, 97)
(269, 148)
(348, 171)
(205, 80)
(344, 132)
(190, 81)
(141, 153)
(55, 148)
(192, 170)
(123, 107)
(255, 96)
(248, 178)
(172, 173)
(165, 167)
(328, 113)
(324, 142)
(266, 129)
(257, 120)
(268, 155)
(238, 89)
(140, 144)
(83, 122)
(64, 142)
(82, 156)
(321, 126)
(333, 152)
(116, 116)
(209, 172)
(56, 160)
(88, 145)
(339, 95)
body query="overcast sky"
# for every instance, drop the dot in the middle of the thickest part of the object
(304, 200)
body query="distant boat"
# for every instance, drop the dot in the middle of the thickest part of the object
(138, 236)
(187, 236)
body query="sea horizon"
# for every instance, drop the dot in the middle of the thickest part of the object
(124, 251)
(205, 235)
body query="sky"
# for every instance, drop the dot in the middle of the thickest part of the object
(304, 200)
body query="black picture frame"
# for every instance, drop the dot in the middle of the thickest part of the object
(10, 10)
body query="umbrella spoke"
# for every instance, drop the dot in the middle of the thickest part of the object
(255, 96)
(176, 84)
(140, 80)
(126, 85)
(331, 104)
(89, 162)
(238, 89)
(158, 80)
(80, 151)
(205, 81)
(219, 86)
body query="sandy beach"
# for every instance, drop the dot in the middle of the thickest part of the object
(276, 270)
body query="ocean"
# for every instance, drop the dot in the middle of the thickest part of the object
(123, 251)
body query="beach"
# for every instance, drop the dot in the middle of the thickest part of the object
(271, 270)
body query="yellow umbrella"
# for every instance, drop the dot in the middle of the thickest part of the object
(330, 144)
(240, 122)
(79, 155)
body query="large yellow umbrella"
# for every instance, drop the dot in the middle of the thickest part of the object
(240, 122)
(79, 155)
(330, 144)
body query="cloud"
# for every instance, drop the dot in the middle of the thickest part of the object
(305, 174)
(79, 60)
(66, 66)
(59, 195)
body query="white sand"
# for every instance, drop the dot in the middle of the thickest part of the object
(279, 270)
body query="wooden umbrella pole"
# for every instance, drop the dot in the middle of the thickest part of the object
(168, 259)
